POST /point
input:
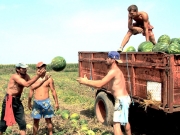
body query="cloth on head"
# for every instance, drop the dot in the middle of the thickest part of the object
(39, 64)
(21, 65)
(114, 55)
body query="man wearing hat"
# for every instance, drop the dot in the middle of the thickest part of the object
(12, 108)
(42, 106)
(116, 80)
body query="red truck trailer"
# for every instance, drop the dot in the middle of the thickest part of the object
(150, 73)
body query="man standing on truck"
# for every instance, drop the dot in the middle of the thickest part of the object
(141, 25)
(116, 80)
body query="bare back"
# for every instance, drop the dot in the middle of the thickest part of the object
(117, 84)
(14, 88)
(141, 18)
(42, 92)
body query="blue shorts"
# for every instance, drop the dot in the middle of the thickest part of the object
(42, 109)
(121, 109)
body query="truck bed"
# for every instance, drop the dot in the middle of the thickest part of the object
(149, 76)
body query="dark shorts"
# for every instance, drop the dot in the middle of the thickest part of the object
(150, 27)
(18, 111)
(42, 109)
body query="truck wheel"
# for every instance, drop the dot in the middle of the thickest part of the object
(104, 108)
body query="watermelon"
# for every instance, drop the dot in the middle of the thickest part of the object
(74, 123)
(65, 116)
(130, 49)
(58, 63)
(58, 112)
(164, 39)
(90, 132)
(74, 116)
(107, 133)
(65, 111)
(174, 48)
(83, 122)
(84, 128)
(146, 46)
(160, 47)
(175, 40)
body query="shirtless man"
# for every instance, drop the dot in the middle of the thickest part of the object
(12, 108)
(116, 80)
(141, 25)
(42, 105)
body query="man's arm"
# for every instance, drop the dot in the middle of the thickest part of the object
(31, 92)
(28, 83)
(146, 23)
(97, 83)
(37, 84)
(130, 26)
(54, 94)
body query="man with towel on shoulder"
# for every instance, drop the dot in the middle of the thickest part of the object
(117, 86)
(12, 108)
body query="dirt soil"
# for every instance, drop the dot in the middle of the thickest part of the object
(150, 122)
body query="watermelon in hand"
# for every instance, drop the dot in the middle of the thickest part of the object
(146, 46)
(58, 63)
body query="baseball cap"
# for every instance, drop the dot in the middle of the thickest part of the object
(22, 65)
(114, 55)
(39, 64)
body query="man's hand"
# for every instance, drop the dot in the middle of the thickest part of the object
(56, 107)
(30, 106)
(82, 80)
(137, 30)
(46, 77)
(40, 72)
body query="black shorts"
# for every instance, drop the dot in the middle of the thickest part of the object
(18, 111)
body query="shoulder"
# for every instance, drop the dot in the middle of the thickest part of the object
(112, 71)
(14, 76)
(50, 80)
(142, 13)
(27, 76)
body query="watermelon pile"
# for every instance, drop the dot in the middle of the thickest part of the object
(75, 122)
(58, 63)
(146, 46)
(174, 48)
(130, 49)
(164, 39)
(160, 47)
(167, 45)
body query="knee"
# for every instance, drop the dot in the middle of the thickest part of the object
(22, 125)
(36, 122)
(48, 120)
(127, 127)
(129, 33)
(3, 126)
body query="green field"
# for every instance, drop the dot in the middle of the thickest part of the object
(72, 96)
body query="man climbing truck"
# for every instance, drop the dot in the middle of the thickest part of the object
(152, 80)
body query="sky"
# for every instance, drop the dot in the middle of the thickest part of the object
(39, 30)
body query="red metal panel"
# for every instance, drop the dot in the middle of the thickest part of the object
(138, 68)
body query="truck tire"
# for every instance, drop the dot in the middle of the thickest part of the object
(104, 108)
